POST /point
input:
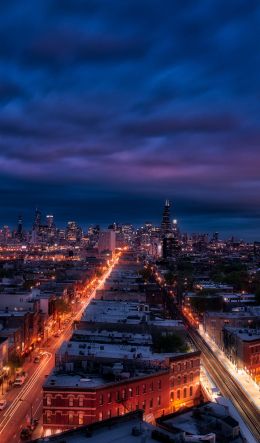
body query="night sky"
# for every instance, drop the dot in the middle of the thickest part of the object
(110, 106)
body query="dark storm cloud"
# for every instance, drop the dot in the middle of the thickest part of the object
(115, 105)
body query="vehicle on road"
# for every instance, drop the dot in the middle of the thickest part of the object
(19, 381)
(3, 404)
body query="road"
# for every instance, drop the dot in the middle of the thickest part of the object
(26, 401)
(227, 385)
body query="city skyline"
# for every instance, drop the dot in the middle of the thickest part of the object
(110, 108)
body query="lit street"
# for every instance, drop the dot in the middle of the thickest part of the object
(25, 402)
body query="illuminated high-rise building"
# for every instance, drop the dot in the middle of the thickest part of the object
(166, 226)
(50, 221)
(19, 232)
(37, 219)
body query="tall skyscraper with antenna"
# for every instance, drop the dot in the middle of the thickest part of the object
(166, 226)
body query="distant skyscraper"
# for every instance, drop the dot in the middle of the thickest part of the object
(37, 219)
(19, 232)
(166, 220)
(50, 221)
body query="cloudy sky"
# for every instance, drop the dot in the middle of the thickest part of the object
(110, 106)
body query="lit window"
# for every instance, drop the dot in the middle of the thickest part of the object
(48, 400)
(172, 396)
(101, 399)
(71, 417)
(144, 389)
(159, 400)
(48, 416)
(81, 418)
(100, 416)
(130, 392)
(81, 401)
(70, 401)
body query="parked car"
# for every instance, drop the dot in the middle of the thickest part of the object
(3, 404)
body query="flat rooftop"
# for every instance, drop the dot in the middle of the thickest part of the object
(111, 336)
(245, 334)
(110, 311)
(110, 351)
(119, 430)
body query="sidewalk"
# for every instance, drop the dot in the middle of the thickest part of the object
(251, 389)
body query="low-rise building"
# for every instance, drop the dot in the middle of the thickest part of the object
(242, 346)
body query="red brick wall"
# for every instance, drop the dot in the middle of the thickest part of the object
(156, 394)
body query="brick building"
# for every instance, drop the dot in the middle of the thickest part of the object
(71, 400)
(242, 346)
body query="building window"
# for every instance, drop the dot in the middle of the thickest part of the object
(159, 400)
(48, 400)
(109, 413)
(179, 367)
(172, 396)
(191, 390)
(178, 394)
(179, 380)
(191, 364)
(117, 396)
(184, 393)
(100, 399)
(185, 379)
(70, 401)
(144, 405)
(123, 394)
(109, 397)
(151, 403)
(48, 416)
(151, 387)
(81, 418)
(144, 389)
(172, 382)
(100, 416)
(71, 418)
(187, 364)
(137, 390)
(159, 384)
(81, 401)
(191, 377)
(130, 392)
